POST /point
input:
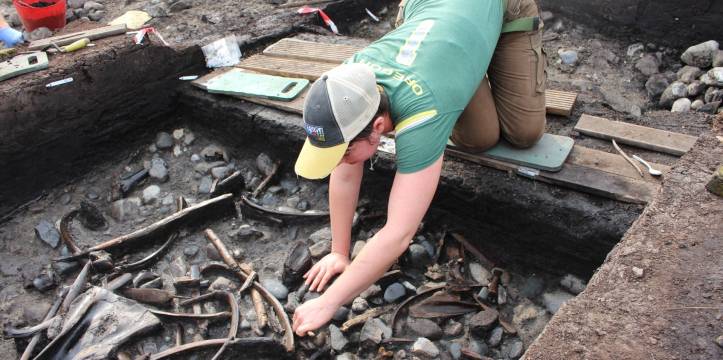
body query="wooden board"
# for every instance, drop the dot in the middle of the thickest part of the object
(559, 102)
(66, 39)
(610, 163)
(577, 177)
(311, 51)
(643, 137)
(310, 70)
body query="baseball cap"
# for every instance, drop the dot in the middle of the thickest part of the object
(337, 108)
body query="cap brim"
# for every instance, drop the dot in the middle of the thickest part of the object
(317, 163)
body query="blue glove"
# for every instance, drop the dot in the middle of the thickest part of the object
(10, 36)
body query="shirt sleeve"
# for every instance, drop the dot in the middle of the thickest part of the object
(422, 145)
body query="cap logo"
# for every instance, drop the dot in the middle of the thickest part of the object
(315, 132)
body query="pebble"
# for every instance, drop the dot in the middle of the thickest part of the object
(76, 4)
(689, 73)
(38, 34)
(214, 153)
(675, 91)
(620, 103)
(495, 337)
(222, 283)
(46, 232)
(455, 350)
(123, 209)
(264, 164)
(180, 5)
(204, 187)
(453, 328)
(359, 305)
(157, 10)
(532, 287)
(701, 55)
(719, 341)
(638, 272)
(151, 194)
(205, 167)
(572, 284)
(697, 104)
(96, 15)
(337, 339)
(292, 302)
(418, 256)
(479, 273)
(346, 356)
(188, 138)
(158, 170)
(177, 151)
(513, 349)
(92, 5)
(718, 59)
(568, 57)
(425, 348)
(320, 249)
(635, 50)
(221, 172)
(195, 158)
(554, 300)
(64, 268)
(341, 314)
(276, 288)
(713, 94)
(44, 282)
(394, 292)
(178, 134)
(323, 234)
(501, 295)
(425, 328)
(164, 141)
(374, 331)
(648, 65)
(656, 84)
(483, 321)
(311, 295)
(716, 76)
(681, 105)
(358, 246)
(372, 290)
(710, 108)
(695, 88)
(190, 251)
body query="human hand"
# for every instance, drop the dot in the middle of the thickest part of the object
(312, 315)
(320, 274)
(10, 36)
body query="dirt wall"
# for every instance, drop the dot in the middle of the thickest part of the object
(671, 22)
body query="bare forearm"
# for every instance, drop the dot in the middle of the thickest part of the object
(344, 187)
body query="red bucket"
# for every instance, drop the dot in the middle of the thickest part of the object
(41, 13)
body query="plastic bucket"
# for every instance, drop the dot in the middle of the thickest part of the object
(41, 13)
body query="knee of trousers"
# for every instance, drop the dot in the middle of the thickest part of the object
(528, 135)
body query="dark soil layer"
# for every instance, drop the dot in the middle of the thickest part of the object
(671, 311)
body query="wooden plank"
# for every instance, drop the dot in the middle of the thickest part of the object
(610, 163)
(559, 102)
(66, 39)
(311, 51)
(581, 178)
(310, 70)
(641, 136)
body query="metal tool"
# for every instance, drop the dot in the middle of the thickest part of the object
(651, 170)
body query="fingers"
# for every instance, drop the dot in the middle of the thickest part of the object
(327, 276)
(312, 273)
(315, 284)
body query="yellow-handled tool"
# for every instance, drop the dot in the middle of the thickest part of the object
(77, 45)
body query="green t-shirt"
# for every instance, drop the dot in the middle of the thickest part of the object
(430, 67)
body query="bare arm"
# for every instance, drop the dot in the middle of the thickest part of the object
(408, 202)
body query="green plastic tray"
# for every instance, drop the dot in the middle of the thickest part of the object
(241, 83)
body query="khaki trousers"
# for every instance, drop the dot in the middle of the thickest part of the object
(510, 101)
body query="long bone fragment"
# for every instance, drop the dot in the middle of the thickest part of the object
(49, 316)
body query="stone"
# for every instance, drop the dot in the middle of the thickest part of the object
(311, 295)
(394, 292)
(701, 55)
(177, 150)
(635, 50)
(157, 10)
(425, 349)
(372, 290)
(276, 288)
(554, 300)
(719, 341)
(346, 356)
(188, 138)
(69, 15)
(648, 65)
(501, 295)
(341, 314)
(453, 328)
(178, 134)
(483, 321)
(620, 103)
(455, 350)
(91, 217)
(158, 170)
(180, 5)
(358, 246)
(716, 76)
(264, 164)
(718, 59)
(478, 347)
(65, 199)
(320, 249)
(374, 331)
(418, 256)
(546, 16)
(195, 158)
(713, 94)
(689, 73)
(638, 272)
(92, 5)
(244, 232)
(573, 284)
(681, 105)
(323, 234)
(675, 91)
(204, 168)
(568, 57)
(96, 15)
(495, 337)
(76, 4)
(204, 187)
(38, 34)
(337, 339)
(190, 251)
(359, 305)
(697, 104)
(47, 233)
(513, 349)
(222, 283)
(709, 108)
(151, 194)
(656, 84)
(35, 314)
(44, 282)
(425, 328)
(695, 88)
(532, 287)
(221, 172)
(123, 209)
(479, 273)
(483, 293)
(164, 140)
(214, 153)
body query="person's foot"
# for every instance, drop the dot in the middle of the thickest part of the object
(10, 37)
